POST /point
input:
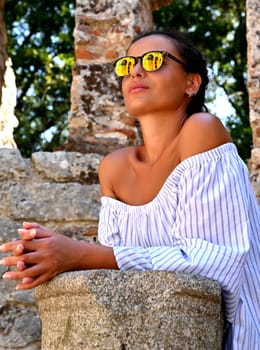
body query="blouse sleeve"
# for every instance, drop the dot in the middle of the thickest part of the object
(211, 230)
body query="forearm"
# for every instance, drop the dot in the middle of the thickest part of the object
(93, 256)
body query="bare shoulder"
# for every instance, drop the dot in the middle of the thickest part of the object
(200, 133)
(111, 167)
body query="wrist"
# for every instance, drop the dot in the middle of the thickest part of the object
(92, 256)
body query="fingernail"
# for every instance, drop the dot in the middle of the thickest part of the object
(2, 262)
(2, 248)
(20, 264)
(5, 276)
(21, 231)
(32, 232)
(19, 247)
(27, 224)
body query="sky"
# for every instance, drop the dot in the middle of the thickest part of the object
(221, 107)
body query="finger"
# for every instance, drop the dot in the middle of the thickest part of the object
(10, 260)
(27, 234)
(31, 272)
(29, 230)
(32, 233)
(34, 283)
(21, 265)
(19, 249)
(27, 280)
(12, 275)
(30, 277)
(29, 225)
(31, 257)
(9, 246)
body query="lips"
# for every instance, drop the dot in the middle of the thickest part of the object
(137, 87)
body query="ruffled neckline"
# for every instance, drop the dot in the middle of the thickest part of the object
(173, 178)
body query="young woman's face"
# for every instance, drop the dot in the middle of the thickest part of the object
(162, 90)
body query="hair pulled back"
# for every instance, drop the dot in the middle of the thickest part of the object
(194, 63)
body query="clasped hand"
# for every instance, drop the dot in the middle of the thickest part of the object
(39, 255)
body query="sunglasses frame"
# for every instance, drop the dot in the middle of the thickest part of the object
(165, 55)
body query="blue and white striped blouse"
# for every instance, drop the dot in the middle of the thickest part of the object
(205, 220)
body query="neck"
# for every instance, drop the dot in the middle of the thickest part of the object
(160, 132)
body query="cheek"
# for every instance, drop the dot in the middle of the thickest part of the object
(123, 87)
(173, 85)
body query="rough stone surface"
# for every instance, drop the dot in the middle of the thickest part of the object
(130, 310)
(20, 325)
(156, 4)
(253, 54)
(103, 31)
(59, 189)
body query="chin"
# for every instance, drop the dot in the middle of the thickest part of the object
(136, 109)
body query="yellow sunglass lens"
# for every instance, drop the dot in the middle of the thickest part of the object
(152, 61)
(124, 66)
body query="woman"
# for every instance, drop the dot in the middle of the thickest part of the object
(181, 201)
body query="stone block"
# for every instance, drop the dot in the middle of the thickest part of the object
(54, 201)
(13, 166)
(67, 166)
(8, 230)
(144, 310)
(20, 325)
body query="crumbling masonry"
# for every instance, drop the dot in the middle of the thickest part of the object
(61, 188)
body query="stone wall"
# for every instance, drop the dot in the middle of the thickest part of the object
(104, 29)
(253, 39)
(60, 188)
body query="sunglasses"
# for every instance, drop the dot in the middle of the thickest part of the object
(150, 61)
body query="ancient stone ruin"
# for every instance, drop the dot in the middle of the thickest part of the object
(61, 188)
(253, 54)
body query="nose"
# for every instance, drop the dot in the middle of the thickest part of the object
(137, 70)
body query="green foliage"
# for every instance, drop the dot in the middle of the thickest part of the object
(41, 48)
(218, 28)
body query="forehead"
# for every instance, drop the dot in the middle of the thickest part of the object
(150, 43)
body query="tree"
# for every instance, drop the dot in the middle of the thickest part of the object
(41, 47)
(218, 28)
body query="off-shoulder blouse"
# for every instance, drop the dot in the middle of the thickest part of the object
(205, 220)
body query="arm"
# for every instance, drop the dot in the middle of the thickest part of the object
(41, 254)
(211, 231)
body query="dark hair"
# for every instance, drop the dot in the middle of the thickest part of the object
(194, 63)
